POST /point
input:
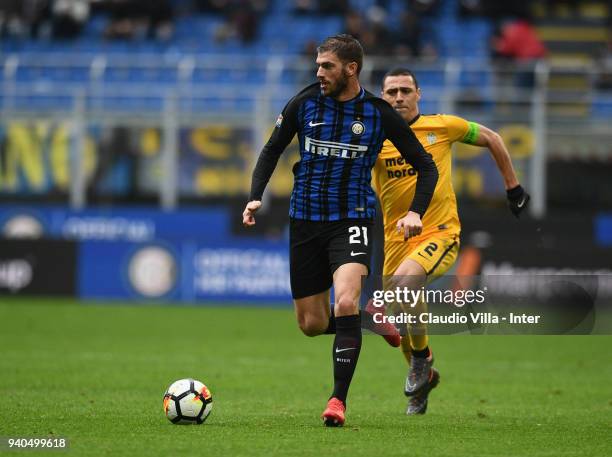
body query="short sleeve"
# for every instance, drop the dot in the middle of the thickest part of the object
(458, 128)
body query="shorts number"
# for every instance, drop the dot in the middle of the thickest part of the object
(431, 248)
(355, 232)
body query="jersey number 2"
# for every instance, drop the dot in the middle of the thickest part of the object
(354, 235)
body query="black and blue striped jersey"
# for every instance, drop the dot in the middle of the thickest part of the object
(339, 143)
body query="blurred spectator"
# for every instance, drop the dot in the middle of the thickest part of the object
(226, 6)
(604, 80)
(69, 17)
(519, 41)
(424, 7)
(469, 8)
(305, 7)
(241, 20)
(11, 23)
(307, 67)
(310, 50)
(260, 6)
(245, 22)
(408, 38)
(354, 24)
(499, 10)
(519, 44)
(378, 39)
(126, 19)
(324, 7)
(382, 38)
(160, 20)
(36, 14)
(333, 6)
(212, 6)
(139, 19)
(23, 18)
(118, 149)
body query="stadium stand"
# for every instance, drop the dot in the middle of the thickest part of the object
(92, 58)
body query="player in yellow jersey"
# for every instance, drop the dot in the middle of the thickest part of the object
(425, 257)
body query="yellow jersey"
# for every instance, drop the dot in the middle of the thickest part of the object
(394, 181)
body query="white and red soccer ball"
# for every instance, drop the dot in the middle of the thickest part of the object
(187, 401)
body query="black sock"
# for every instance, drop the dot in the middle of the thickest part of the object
(346, 348)
(423, 353)
(331, 327)
(367, 322)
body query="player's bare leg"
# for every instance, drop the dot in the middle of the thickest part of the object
(412, 275)
(314, 318)
(347, 288)
(313, 314)
(347, 344)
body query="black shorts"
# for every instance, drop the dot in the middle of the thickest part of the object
(317, 249)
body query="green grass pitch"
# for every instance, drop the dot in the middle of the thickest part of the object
(96, 375)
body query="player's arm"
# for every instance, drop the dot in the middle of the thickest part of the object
(479, 135)
(413, 152)
(284, 131)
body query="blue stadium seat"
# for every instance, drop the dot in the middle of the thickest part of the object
(602, 105)
(362, 5)
(43, 102)
(207, 75)
(427, 107)
(473, 77)
(428, 78)
(136, 104)
(95, 27)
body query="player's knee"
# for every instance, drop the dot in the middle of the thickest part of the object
(413, 269)
(410, 274)
(345, 307)
(312, 327)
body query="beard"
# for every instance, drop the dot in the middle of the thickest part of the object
(339, 87)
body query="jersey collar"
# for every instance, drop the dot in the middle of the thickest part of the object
(360, 95)
(416, 118)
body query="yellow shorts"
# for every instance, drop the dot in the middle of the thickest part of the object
(436, 254)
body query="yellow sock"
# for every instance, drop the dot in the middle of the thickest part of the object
(406, 349)
(418, 332)
(419, 342)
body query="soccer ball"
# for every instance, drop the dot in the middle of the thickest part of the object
(187, 401)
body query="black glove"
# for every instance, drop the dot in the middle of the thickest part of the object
(518, 199)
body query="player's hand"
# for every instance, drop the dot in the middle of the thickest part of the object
(248, 215)
(518, 200)
(410, 225)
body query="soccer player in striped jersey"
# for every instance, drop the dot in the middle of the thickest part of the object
(341, 128)
(431, 253)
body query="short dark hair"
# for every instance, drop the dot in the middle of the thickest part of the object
(399, 71)
(346, 47)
